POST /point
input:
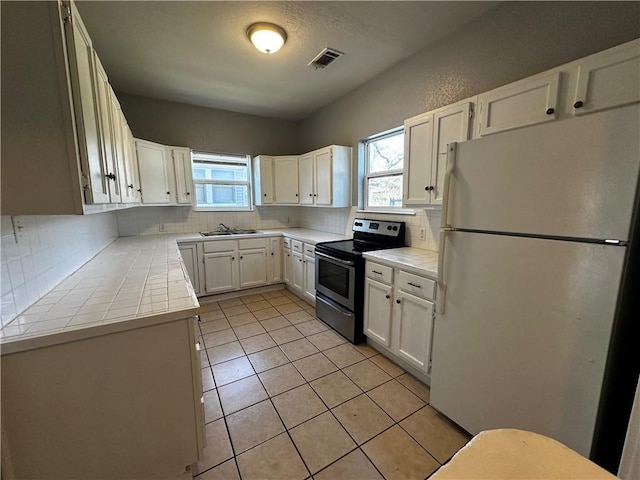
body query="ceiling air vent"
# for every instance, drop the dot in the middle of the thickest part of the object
(325, 58)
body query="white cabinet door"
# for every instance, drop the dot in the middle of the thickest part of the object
(520, 104)
(608, 80)
(285, 171)
(86, 110)
(184, 178)
(305, 176)
(253, 267)
(413, 329)
(119, 147)
(418, 150)
(220, 270)
(131, 168)
(274, 260)
(378, 311)
(450, 125)
(323, 187)
(190, 258)
(105, 122)
(297, 280)
(263, 180)
(287, 262)
(154, 179)
(309, 278)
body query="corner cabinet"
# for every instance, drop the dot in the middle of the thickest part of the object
(425, 151)
(165, 174)
(325, 177)
(65, 114)
(320, 178)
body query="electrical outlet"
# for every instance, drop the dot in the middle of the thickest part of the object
(423, 234)
(162, 227)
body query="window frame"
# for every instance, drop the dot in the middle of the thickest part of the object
(367, 176)
(199, 156)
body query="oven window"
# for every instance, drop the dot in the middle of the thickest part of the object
(334, 277)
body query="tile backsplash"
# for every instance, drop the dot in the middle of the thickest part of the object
(340, 220)
(154, 220)
(45, 251)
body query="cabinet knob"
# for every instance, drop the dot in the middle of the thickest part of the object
(110, 176)
(188, 193)
(550, 111)
(265, 194)
(272, 254)
(398, 301)
(130, 186)
(168, 193)
(578, 104)
(296, 194)
(429, 188)
(233, 258)
(140, 190)
(386, 296)
(240, 257)
(311, 194)
(315, 194)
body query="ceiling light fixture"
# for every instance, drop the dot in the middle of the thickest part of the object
(267, 37)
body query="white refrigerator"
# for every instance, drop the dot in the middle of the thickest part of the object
(536, 233)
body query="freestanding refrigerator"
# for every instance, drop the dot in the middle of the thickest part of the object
(534, 247)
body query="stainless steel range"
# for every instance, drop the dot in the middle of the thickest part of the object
(340, 274)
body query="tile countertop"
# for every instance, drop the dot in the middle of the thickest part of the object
(132, 283)
(414, 260)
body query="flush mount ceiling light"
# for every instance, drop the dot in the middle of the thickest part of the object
(267, 37)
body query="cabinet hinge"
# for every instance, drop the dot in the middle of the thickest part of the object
(471, 112)
(65, 13)
(429, 368)
(433, 315)
(85, 181)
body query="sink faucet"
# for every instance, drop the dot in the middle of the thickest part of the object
(223, 228)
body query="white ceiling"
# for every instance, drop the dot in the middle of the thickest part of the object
(198, 52)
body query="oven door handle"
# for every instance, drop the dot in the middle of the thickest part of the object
(334, 259)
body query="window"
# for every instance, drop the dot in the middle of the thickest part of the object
(384, 156)
(221, 181)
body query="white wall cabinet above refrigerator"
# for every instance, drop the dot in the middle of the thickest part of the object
(165, 174)
(425, 151)
(63, 111)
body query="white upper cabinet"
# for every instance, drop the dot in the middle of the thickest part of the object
(608, 79)
(285, 180)
(527, 102)
(426, 139)
(131, 189)
(418, 151)
(183, 174)
(263, 180)
(62, 131)
(153, 170)
(325, 177)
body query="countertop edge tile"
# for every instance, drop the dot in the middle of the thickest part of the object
(411, 259)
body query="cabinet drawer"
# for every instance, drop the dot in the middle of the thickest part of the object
(379, 272)
(244, 243)
(309, 250)
(286, 241)
(220, 246)
(296, 246)
(416, 285)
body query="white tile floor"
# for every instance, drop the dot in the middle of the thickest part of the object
(287, 398)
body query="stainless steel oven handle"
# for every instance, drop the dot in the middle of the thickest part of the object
(334, 259)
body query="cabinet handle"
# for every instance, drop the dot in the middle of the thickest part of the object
(414, 285)
(110, 176)
(130, 186)
(429, 188)
(398, 301)
(386, 296)
(578, 104)
(550, 111)
(374, 271)
(140, 190)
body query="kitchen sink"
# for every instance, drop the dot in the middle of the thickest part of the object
(229, 232)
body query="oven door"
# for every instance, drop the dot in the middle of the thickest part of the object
(335, 279)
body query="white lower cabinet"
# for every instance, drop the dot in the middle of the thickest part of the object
(189, 254)
(274, 260)
(234, 264)
(300, 269)
(399, 313)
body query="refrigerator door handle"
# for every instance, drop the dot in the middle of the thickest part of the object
(442, 287)
(451, 166)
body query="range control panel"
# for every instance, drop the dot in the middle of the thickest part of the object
(379, 227)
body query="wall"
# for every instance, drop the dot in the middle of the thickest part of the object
(148, 220)
(510, 42)
(207, 129)
(51, 248)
